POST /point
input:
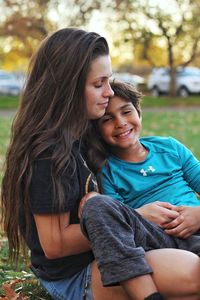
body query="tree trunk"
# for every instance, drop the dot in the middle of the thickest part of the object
(172, 70)
(172, 82)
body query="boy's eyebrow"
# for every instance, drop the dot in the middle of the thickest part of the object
(126, 105)
(121, 107)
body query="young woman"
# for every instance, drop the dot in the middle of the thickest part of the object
(46, 177)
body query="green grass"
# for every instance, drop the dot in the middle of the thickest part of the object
(9, 102)
(5, 124)
(150, 101)
(183, 125)
(12, 102)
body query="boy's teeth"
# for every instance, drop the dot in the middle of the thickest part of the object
(125, 133)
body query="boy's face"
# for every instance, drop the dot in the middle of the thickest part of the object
(120, 127)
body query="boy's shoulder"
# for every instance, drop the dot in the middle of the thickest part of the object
(159, 142)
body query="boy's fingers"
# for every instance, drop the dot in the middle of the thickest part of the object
(174, 223)
(166, 205)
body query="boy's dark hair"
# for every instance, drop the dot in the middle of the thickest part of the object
(127, 92)
(97, 149)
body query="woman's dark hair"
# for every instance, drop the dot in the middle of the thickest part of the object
(48, 118)
(98, 150)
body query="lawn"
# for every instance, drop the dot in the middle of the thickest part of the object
(163, 101)
(12, 102)
(8, 102)
(182, 124)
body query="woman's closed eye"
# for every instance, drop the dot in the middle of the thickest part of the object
(97, 86)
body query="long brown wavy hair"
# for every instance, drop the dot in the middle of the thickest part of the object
(98, 150)
(48, 118)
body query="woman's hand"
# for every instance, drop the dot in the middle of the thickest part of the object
(158, 212)
(84, 200)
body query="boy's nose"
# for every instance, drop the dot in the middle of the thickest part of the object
(120, 122)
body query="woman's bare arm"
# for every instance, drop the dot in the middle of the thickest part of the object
(58, 238)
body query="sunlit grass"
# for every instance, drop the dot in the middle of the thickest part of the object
(9, 102)
(12, 102)
(5, 125)
(183, 125)
(162, 101)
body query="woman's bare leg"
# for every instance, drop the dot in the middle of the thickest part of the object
(176, 276)
(176, 272)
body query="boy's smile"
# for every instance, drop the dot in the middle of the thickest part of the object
(124, 134)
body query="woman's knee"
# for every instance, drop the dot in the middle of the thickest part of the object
(175, 271)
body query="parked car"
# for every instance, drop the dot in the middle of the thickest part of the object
(187, 81)
(129, 78)
(9, 84)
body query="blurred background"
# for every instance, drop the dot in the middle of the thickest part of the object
(142, 34)
(154, 44)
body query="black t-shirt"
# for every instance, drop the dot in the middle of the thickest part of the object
(41, 199)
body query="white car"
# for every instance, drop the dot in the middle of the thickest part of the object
(9, 84)
(187, 81)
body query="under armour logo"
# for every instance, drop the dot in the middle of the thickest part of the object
(150, 169)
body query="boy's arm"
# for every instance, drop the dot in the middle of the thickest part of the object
(190, 166)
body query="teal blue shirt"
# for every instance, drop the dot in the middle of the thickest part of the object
(170, 173)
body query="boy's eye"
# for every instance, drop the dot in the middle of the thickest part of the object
(104, 120)
(127, 112)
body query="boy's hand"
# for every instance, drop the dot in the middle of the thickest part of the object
(84, 200)
(186, 224)
(158, 212)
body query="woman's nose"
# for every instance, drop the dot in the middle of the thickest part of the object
(108, 92)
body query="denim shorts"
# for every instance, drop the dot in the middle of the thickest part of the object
(77, 287)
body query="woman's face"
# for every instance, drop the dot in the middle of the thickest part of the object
(97, 89)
